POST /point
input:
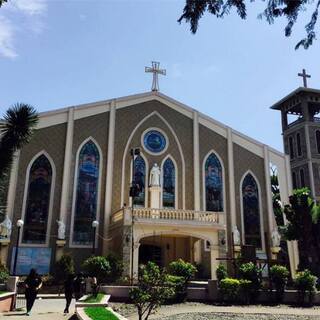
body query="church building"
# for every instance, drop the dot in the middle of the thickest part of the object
(144, 177)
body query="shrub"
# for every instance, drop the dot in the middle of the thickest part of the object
(183, 269)
(221, 272)
(64, 267)
(279, 276)
(152, 290)
(116, 267)
(4, 273)
(229, 289)
(249, 271)
(179, 287)
(97, 266)
(305, 283)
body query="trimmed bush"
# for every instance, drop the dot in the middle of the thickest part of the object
(305, 283)
(64, 267)
(229, 289)
(4, 273)
(179, 287)
(221, 272)
(249, 271)
(116, 267)
(279, 276)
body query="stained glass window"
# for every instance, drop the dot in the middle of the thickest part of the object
(86, 193)
(213, 184)
(38, 201)
(251, 211)
(169, 181)
(139, 181)
(154, 141)
(299, 145)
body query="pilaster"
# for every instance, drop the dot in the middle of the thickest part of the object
(231, 180)
(196, 165)
(67, 167)
(309, 159)
(109, 180)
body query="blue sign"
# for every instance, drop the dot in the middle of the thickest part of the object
(28, 258)
(154, 141)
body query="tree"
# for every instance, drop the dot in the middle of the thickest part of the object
(303, 225)
(2, 2)
(290, 9)
(16, 130)
(152, 290)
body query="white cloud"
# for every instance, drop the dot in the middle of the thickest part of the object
(6, 39)
(16, 13)
(29, 7)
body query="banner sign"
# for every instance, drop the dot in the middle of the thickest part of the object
(28, 258)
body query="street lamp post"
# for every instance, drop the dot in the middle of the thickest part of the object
(19, 225)
(133, 190)
(95, 225)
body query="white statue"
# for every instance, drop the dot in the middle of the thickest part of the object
(236, 236)
(61, 230)
(6, 228)
(275, 237)
(155, 176)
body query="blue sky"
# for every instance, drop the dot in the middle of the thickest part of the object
(56, 53)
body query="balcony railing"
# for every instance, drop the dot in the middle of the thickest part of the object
(167, 215)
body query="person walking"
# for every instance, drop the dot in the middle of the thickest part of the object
(68, 291)
(78, 285)
(33, 283)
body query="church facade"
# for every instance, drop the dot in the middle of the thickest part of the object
(200, 189)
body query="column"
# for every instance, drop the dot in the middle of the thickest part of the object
(231, 180)
(271, 218)
(108, 194)
(67, 167)
(12, 185)
(66, 180)
(136, 260)
(214, 254)
(196, 164)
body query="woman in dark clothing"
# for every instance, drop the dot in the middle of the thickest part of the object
(78, 285)
(32, 284)
(68, 291)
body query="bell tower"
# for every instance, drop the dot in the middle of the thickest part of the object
(301, 135)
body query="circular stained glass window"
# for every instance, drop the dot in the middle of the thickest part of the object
(154, 141)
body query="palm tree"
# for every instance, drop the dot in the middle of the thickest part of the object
(15, 130)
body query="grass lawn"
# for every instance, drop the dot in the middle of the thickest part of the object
(92, 299)
(99, 313)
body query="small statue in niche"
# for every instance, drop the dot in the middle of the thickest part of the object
(5, 228)
(236, 236)
(275, 237)
(61, 230)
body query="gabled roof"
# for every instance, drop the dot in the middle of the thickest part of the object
(58, 116)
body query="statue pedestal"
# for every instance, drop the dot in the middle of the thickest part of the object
(59, 249)
(237, 251)
(155, 197)
(4, 248)
(274, 252)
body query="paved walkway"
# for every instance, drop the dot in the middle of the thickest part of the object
(44, 309)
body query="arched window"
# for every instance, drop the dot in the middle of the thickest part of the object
(302, 182)
(299, 151)
(318, 140)
(139, 181)
(86, 193)
(251, 211)
(213, 184)
(168, 184)
(294, 180)
(291, 148)
(38, 201)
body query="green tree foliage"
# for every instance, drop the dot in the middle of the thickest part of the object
(15, 131)
(2, 2)
(304, 225)
(4, 273)
(64, 267)
(183, 269)
(152, 290)
(97, 266)
(116, 267)
(279, 276)
(289, 9)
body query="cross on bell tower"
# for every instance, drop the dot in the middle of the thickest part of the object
(155, 70)
(304, 75)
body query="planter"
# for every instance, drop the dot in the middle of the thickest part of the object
(83, 316)
(103, 303)
(7, 301)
